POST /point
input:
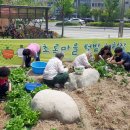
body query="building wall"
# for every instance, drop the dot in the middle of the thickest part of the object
(127, 4)
(97, 4)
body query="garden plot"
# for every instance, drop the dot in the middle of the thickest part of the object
(103, 106)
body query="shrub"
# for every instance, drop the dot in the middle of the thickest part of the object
(68, 24)
(104, 24)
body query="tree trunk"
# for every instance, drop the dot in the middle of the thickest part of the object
(62, 35)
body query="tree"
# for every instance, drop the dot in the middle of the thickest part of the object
(24, 2)
(96, 13)
(64, 6)
(1, 1)
(127, 13)
(84, 10)
(111, 7)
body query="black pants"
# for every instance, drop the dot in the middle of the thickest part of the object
(28, 59)
(3, 89)
(60, 78)
(126, 64)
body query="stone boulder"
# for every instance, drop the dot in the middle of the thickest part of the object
(89, 77)
(57, 105)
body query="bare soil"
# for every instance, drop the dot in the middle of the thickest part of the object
(3, 116)
(103, 106)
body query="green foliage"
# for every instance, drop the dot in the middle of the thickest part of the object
(127, 13)
(1, 1)
(15, 124)
(101, 24)
(24, 2)
(64, 5)
(68, 24)
(17, 106)
(108, 24)
(21, 107)
(18, 92)
(19, 101)
(18, 75)
(111, 7)
(37, 89)
(96, 13)
(84, 10)
(101, 67)
(53, 129)
(104, 69)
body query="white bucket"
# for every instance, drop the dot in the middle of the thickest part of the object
(20, 52)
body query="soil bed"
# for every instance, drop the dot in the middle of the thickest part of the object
(103, 106)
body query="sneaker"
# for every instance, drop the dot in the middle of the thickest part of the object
(57, 86)
(2, 99)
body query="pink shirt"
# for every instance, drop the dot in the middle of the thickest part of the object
(35, 48)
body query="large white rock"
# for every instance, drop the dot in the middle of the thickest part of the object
(89, 77)
(56, 104)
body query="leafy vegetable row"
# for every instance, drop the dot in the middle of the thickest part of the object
(108, 70)
(19, 102)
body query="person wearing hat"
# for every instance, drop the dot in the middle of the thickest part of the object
(32, 51)
(55, 75)
(120, 58)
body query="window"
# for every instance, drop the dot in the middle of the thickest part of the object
(99, 4)
(96, 4)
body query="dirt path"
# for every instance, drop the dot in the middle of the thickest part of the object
(3, 116)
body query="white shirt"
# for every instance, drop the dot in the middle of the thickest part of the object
(54, 66)
(81, 60)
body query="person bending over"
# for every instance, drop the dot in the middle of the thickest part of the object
(105, 53)
(83, 60)
(32, 51)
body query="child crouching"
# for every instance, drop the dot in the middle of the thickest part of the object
(5, 84)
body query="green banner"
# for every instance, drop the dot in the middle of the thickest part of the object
(10, 50)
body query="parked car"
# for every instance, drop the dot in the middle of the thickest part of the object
(76, 20)
(38, 21)
(53, 18)
(66, 19)
(88, 20)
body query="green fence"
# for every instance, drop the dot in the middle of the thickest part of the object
(71, 47)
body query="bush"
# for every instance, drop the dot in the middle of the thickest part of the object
(104, 24)
(68, 24)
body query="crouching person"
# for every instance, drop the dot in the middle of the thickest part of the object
(83, 60)
(120, 58)
(5, 84)
(55, 75)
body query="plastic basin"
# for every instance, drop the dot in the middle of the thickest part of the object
(79, 69)
(32, 86)
(38, 67)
